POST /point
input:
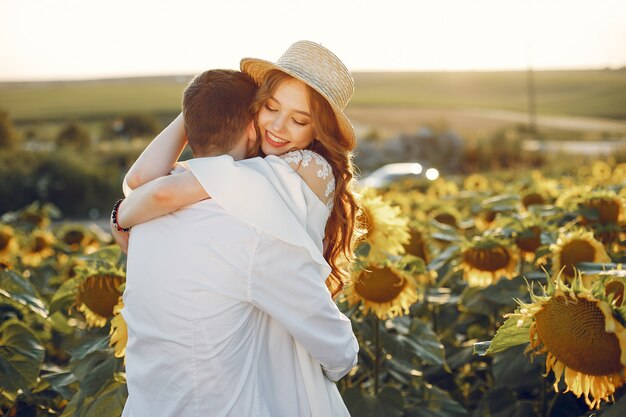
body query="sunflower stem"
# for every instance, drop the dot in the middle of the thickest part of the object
(376, 325)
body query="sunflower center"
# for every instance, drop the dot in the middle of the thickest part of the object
(446, 218)
(574, 332)
(576, 251)
(530, 239)
(5, 238)
(487, 259)
(417, 246)
(532, 198)
(39, 244)
(607, 210)
(489, 216)
(99, 293)
(73, 237)
(380, 285)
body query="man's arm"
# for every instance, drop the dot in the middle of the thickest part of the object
(287, 284)
(160, 156)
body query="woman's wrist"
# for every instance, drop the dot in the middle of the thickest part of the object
(114, 217)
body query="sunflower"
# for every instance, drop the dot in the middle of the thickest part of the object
(38, 248)
(603, 207)
(574, 247)
(485, 259)
(534, 197)
(119, 330)
(611, 283)
(601, 171)
(476, 182)
(418, 244)
(8, 242)
(528, 241)
(386, 231)
(386, 289)
(447, 215)
(440, 188)
(568, 324)
(569, 198)
(97, 293)
(76, 237)
(485, 219)
(619, 173)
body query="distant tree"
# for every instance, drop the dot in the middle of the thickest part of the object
(134, 125)
(9, 137)
(74, 135)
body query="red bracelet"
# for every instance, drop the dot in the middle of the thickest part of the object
(116, 207)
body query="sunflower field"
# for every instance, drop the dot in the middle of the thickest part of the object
(498, 295)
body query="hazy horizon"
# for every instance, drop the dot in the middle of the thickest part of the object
(82, 40)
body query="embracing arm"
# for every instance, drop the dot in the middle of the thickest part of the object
(160, 196)
(287, 284)
(160, 155)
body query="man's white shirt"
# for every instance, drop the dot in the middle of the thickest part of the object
(204, 290)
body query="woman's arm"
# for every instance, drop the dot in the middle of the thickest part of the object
(160, 156)
(160, 196)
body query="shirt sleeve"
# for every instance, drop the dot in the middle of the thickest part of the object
(287, 284)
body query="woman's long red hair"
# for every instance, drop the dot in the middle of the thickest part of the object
(337, 150)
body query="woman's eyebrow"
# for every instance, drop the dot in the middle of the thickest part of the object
(296, 111)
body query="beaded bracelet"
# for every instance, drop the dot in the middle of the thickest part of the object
(116, 207)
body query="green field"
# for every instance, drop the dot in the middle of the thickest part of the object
(592, 93)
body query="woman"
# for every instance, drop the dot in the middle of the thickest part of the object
(301, 123)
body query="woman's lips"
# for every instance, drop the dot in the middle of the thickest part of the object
(272, 142)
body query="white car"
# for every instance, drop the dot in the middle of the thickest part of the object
(389, 173)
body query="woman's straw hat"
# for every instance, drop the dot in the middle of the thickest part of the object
(317, 67)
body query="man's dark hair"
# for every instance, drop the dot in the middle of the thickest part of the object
(216, 109)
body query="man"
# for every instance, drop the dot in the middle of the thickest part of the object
(205, 290)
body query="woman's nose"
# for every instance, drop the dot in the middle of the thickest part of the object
(279, 123)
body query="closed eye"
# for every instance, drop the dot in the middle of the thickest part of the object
(268, 107)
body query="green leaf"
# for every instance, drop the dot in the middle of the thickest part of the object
(107, 255)
(65, 296)
(443, 258)
(506, 291)
(508, 335)
(436, 403)
(108, 402)
(425, 344)
(13, 286)
(388, 403)
(21, 356)
(502, 402)
(618, 409)
(513, 369)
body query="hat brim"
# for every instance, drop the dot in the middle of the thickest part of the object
(258, 68)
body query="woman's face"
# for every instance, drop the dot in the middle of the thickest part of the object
(285, 119)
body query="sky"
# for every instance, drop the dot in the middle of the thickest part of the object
(82, 39)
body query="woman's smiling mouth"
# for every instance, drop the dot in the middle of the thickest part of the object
(275, 140)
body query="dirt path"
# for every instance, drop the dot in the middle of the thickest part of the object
(392, 120)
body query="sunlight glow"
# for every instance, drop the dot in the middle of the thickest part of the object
(84, 39)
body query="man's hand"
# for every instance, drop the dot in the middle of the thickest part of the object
(120, 237)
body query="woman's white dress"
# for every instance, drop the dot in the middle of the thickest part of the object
(291, 211)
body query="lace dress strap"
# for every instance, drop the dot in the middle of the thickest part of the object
(316, 172)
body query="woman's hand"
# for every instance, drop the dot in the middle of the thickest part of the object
(121, 238)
